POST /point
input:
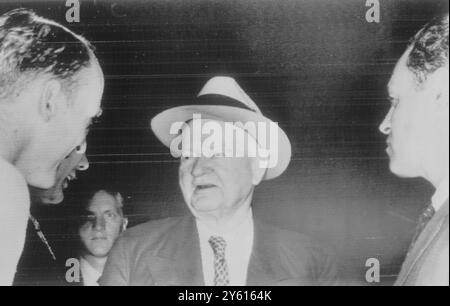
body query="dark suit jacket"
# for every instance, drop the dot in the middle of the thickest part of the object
(167, 252)
(428, 262)
(36, 266)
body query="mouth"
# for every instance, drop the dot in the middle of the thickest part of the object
(204, 187)
(99, 239)
(71, 177)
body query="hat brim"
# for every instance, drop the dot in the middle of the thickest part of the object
(162, 123)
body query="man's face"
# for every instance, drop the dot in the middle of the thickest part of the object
(412, 126)
(56, 138)
(215, 186)
(102, 226)
(67, 172)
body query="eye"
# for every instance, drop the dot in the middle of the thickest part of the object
(111, 215)
(96, 120)
(394, 102)
(81, 149)
(88, 219)
(185, 158)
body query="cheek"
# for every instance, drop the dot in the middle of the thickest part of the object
(401, 122)
(236, 182)
(185, 179)
(410, 131)
(85, 233)
(113, 229)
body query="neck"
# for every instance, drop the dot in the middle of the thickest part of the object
(228, 222)
(98, 263)
(439, 173)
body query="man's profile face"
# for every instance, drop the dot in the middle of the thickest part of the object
(410, 125)
(58, 137)
(102, 226)
(215, 186)
(67, 172)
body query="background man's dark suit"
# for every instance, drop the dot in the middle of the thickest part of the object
(167, 252)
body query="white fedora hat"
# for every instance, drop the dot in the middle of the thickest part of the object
(222, 99)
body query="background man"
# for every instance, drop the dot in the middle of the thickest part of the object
(417, 127)
(219, 243)
(102, 225)
(50, 90)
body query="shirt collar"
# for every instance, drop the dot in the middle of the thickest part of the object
(441, 195)
(90, 275)
(245, 226)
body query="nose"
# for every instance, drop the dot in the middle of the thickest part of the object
(385, 126)
(199, 167)
(99, 224)
(83, 165)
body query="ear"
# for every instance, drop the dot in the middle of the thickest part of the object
(50, 99)
(124, 224)
(257, 171)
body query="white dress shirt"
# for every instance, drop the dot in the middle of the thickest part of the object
(90, 275)
(237, 254)
(441, 195)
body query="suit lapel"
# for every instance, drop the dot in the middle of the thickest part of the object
(423, 242)
(181, 263)
(181, 251)
(265, 267)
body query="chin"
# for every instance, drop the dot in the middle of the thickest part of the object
(50, 196)
(100, 252)
(205, 205)
(53, 199)
(401, 170)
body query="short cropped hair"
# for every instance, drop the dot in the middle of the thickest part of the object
(429, 49)
(30, 45)
(117, 197)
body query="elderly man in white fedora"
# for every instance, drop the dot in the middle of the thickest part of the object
(224, 153)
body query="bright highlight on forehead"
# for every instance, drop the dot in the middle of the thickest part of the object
(402, 78)
(103, 201)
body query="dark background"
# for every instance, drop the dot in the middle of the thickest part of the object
(315, 66)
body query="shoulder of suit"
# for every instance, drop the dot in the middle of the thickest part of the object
(151, 228)
(283, 235)
(13, 187)
(298, 243)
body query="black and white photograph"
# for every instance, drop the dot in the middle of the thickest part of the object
(224, 144)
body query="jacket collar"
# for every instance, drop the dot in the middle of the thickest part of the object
(182, 249)
(425, 239)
